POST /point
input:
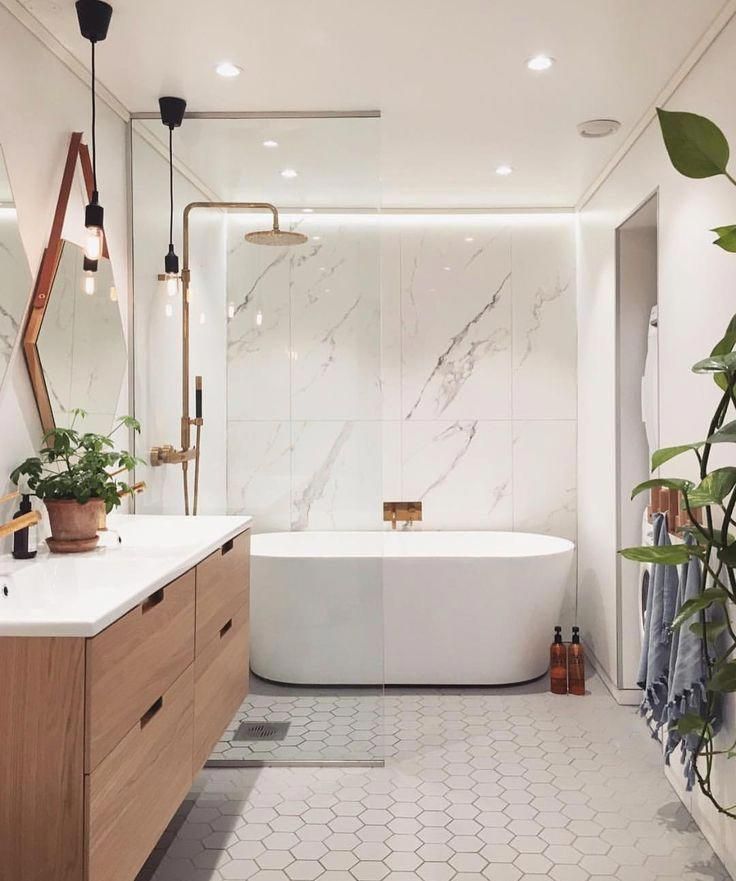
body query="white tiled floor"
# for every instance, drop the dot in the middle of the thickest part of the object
(499, 786)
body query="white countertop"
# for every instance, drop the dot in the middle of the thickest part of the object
(81, 594)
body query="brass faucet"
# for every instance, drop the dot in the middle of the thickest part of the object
(29, 519)
(406, 512)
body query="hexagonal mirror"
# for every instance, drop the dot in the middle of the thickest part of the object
(15, 274)
(81, 345)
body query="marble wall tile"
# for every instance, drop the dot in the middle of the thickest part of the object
(461, 471)
(455, 385)
(456, 323)
(335, 322)
(259, 472)
(545, 477)
(336, 475)
(544, 320)
(259, 327)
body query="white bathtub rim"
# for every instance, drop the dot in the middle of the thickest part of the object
(277, 545)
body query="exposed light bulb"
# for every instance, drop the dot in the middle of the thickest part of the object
(316, 238)
(504, 170)
(93, 243)
(114, 294)
(270, 143)
(172, 285)
(540, 62)
(469, 239)
(89, 283)
(259, 318)
(289, 173)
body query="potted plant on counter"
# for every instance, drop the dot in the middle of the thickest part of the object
(74, 475)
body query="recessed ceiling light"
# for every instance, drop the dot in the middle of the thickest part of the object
(540, 62)
(228, 69)
(289, 172)
(269, 142)
(504, 170)
(469, 239)
(307, 210)
(598, 128)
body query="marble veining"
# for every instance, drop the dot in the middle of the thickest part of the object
(319, 481)
(541, 298)
(457, 362)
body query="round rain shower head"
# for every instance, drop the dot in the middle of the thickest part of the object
(276, 237)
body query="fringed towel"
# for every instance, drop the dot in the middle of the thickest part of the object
(654, 665)
(688, 669)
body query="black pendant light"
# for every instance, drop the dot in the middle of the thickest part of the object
(172, 114)
(94, 19)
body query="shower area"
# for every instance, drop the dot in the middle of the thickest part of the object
(286, 337)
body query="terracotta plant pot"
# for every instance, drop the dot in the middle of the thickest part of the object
(73, 525)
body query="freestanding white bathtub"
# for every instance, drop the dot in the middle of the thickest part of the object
(419, 608)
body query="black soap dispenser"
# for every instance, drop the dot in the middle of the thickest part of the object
(24, 540)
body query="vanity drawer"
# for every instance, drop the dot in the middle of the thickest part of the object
(133, 793)
(220, 683)
(223, 582)
(134, 661)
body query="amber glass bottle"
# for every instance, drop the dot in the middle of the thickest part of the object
(576, 664)
(558, 664)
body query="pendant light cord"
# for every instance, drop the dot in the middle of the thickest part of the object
(171, 187)
(94, 121)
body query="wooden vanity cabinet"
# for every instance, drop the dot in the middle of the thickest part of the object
(101, 737)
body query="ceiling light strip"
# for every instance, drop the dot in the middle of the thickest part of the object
(697, 53)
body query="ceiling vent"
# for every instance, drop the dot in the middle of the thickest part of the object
(598, 128)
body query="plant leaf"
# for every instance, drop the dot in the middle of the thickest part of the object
(696, 146)
(717, 364)
(725, 435)
(671, 555)
(711, 630)
(724, 679)
(713, 488)
(659, 457)
(691, 723)
(722, 347)
(726, 237)
(698, 604)
(668, 482)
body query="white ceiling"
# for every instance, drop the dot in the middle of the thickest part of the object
(448, 75)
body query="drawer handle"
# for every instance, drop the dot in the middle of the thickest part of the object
(151, 711)
(228, 546)
(225, 627)
(153, 600)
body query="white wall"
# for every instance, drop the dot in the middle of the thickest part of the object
(41, 104)
(696, 300)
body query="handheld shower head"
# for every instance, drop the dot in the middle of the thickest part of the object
(276, 236)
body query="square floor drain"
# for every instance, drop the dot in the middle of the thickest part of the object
(262, 731)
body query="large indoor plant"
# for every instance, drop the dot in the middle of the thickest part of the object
(74, 475)
(698, 149)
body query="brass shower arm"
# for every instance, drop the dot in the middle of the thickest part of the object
(222, 206)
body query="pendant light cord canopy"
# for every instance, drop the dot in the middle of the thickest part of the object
(172, 114)
(94, 20)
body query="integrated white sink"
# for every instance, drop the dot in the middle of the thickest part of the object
(81, 594)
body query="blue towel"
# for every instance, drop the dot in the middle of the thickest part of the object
(654, 666)
(689, 669)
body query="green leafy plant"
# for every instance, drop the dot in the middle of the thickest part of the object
(76, 465)
(698, 149)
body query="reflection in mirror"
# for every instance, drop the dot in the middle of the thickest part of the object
(15, 274)
(81, 344)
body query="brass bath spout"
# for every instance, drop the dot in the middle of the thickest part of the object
(406, 512)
